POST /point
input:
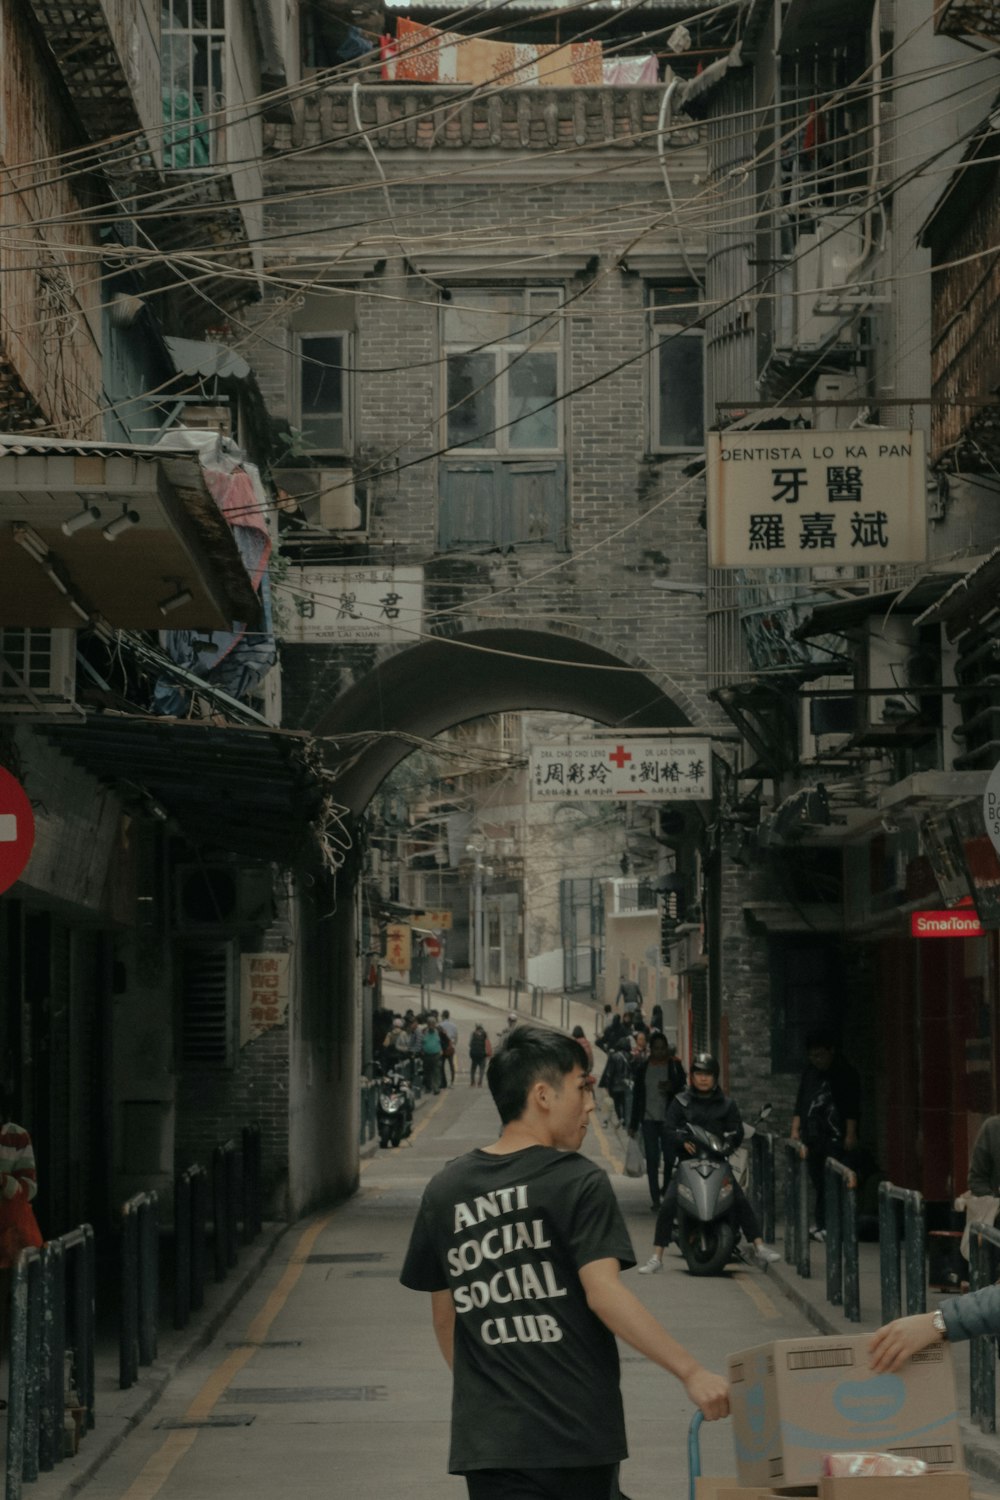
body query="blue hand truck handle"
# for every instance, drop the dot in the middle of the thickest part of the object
(694, 1452)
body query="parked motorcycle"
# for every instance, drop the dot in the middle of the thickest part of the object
(706, 1198)
(395, 1108)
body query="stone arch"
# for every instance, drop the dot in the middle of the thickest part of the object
(442, 681)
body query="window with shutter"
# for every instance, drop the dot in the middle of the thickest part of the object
(676, 385)
(208, 974)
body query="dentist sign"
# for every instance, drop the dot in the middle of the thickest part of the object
(17, 830)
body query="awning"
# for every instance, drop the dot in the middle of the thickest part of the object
(169, 538)
(846, 614)
(969, 600)
(253, 792)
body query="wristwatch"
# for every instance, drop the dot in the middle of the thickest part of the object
(938, 1324)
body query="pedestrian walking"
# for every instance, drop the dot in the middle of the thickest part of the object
(521, 1245)
(616, 1075)
(827, 1108)
(657, 1082)
(630, 996)
(449, 1044)
(480, 1048)
(432, 1050)
(578, 1033)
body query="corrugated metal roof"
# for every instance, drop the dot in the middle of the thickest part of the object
(203, 357)
(251, 791)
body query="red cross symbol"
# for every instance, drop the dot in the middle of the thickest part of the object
(620, 756)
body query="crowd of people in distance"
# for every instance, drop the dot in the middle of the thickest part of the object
(430, 1039)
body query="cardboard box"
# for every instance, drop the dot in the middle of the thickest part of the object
(729, 1488)
(795, 1400)
(953, 1486)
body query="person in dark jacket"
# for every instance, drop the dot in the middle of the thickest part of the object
(658, 1079)
(827, 1108)
(703, 1103)
(616, 1076)
(958, 1318)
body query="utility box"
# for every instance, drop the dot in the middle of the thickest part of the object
(795, 1400)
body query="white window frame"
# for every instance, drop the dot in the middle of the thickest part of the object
(506, 349)
(658, 321)
(347, 389)
(215, 37)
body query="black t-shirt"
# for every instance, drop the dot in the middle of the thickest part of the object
(536, 1376)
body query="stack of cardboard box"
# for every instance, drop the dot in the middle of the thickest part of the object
(796, 1400)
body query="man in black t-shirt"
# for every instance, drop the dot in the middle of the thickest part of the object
(520, 1245)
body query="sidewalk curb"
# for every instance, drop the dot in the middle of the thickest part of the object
(980, 1458)
(151, 1385)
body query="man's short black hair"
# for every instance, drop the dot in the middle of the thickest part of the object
(822, 1036)
(527, 1054)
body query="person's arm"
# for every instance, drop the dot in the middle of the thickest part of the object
(622, 1312)
(21, 1178)
(443, 1317)
(982, 1170)
(734, 1125)
(638, 1101)
(796, 1130)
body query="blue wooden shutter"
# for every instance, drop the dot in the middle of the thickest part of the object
(534, 503)
(469, 510)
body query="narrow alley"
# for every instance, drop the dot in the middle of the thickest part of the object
(327, 1379)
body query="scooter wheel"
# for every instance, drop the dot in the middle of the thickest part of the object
(707, 1248)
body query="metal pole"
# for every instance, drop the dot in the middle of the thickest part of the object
(834, 1236)
(477, 921)
(915, 1219)
(888, 1252)
(199, 1214)
(182, 1249)
(17, 1392)
(219, 1233)
(128, 1332)
(852, 1268)
(50, 1417)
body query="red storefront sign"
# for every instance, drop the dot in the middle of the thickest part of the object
(945, 924)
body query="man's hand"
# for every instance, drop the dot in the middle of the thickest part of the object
(897, 1342)
(689, 1147)
(851, 1136)
(710, 1393)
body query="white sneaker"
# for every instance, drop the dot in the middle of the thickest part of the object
(766, 1254)
(653, 1264)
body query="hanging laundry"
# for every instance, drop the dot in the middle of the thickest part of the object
(423, 54)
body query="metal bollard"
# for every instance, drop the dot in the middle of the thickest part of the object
(797, 1208)
(182, 1249)
(843, 1279)
(253, 1220)
(914, 1240)
(220, 1234)
(762, 1182)
(983, 1240)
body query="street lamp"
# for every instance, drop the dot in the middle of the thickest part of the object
(478, 934)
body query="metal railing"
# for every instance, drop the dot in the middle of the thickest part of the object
(139, 1286)
(913, 1240)
(762, 1185)
(369, 1109)
(225, 1207)
(984, 1240)
(190, 1217)
(253, 1182)
(52, 1315)
(797, 1208)
(843, 1274)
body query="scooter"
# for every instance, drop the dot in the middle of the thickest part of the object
(706, 1198)
(395, 1109)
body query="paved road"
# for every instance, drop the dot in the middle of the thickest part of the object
(333, 1366)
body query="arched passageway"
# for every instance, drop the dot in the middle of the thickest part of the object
(425, 689)
(421, 691)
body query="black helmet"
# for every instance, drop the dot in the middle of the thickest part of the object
(704, 1062)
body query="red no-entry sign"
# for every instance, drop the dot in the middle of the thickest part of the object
(17, 829)
(432, 947)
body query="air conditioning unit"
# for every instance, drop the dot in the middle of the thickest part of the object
(826, 264)
(885, 662)
(849, 386)
(825, 722)
(326, 498)
(220, 896)
(37, 665)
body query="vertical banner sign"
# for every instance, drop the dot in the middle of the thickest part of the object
(17, 830)
(801, 499)
(398, 946)
(263, 993)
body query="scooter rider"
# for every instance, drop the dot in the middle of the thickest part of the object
(703, 1103)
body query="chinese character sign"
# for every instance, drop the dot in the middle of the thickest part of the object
(336, 605)
(666, 770)
(263, 993)
(437, 921)
(398, 946)
(802, 499)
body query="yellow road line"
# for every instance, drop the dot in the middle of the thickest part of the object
(759, 1298)
(158, 1469)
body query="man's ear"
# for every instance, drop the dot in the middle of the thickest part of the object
(540, 1093)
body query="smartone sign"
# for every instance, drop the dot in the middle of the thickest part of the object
(802, 499)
